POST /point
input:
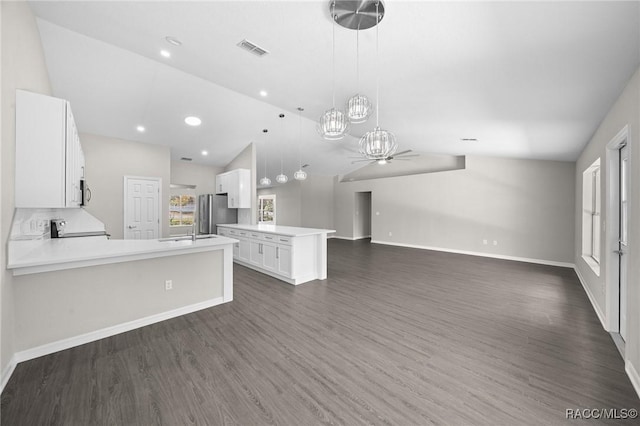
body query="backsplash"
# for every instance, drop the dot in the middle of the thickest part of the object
(34, 224)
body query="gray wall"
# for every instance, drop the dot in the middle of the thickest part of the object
(527, 206)
(108, 160)
(185, 173)
(307, 203)
(58, 305)
(203, 177)
(362, 215)
(288, 199)
(316, 204)
(247, 160)
(23, 67)
(625, 111)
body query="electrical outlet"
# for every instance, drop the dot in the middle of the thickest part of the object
(390, 234)
(484, 242)
(495, 242)
(168, 285)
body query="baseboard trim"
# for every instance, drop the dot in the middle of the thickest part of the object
(592, 299)
(7, 372)
(633, 376)
(342, 238)
(92, 336)
(481, 254)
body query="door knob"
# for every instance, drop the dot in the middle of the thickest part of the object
(131, 226)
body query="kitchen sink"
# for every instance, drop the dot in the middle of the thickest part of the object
(187, 237)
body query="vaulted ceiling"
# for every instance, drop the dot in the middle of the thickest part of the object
(526, 79)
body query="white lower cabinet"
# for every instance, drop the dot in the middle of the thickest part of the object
(244, 248)
(292, 259)
(283, 257)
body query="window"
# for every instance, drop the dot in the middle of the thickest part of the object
(267, 209)
(591, 222)
(182, 210)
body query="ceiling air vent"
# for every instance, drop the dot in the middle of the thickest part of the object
(186, 159)
(252, 48)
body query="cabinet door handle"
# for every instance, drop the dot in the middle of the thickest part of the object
(131, 226)
(277, 252)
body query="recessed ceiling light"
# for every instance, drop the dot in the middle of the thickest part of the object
(141, 129)
(165, 53)
(205, 152)
(263, 93)
(469, 140)
(173, 41)
(193, 121)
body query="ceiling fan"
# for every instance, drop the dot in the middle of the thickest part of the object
(403, 156)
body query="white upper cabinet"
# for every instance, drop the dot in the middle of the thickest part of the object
(49, 158)
(237, 185)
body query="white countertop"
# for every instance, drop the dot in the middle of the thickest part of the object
(27, 257)
(290, 231)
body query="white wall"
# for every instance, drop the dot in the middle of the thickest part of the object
(108, 160)
(23, 67)
(527, 206)
(625, 111)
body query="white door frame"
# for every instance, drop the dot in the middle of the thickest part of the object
(612, 276)
(126, 207)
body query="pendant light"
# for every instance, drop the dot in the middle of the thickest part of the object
(281, 178)
(333, 124)
(358, 107)
(300, 174)
(378, 144)
(265, 180)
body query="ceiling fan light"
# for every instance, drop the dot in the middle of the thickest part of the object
(378, 144)
(282, 178)
(265, 181)
(359, 108)
(333, 125)
(300, 175)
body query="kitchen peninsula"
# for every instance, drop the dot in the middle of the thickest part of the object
(70, 291)
(291, 254)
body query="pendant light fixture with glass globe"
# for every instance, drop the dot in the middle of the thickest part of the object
(333, 124)
(281, 178)
(265, 180)
(358, 107)
(378, 144)
(300, 174)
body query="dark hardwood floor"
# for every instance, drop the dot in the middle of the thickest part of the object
(394, 336)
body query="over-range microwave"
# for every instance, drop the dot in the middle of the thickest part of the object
(85, 193)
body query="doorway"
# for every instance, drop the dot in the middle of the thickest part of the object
(617, 234)
(142, 197)
(362, 216)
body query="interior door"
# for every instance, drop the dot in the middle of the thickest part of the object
(142, 208)
(623, 245)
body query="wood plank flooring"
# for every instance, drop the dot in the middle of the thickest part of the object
(394, 336)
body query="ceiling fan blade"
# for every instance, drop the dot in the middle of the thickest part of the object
(406, 156)
(402, 152)
(359, 161)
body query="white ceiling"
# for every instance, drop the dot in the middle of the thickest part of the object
(527, 79)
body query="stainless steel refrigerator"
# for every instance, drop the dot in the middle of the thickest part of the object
(213, 210)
